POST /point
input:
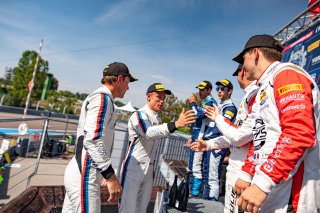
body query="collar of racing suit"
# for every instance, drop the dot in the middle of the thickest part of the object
(266, 73)
(251, 85)
(229, 101)
(103, 89)
(150, 111)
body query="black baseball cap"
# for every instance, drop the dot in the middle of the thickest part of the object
(158, 87)
(239, 68)
(259, 41)
(204, 85)
(225, 83)
(117, 68)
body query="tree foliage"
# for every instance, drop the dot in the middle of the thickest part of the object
(119, 103)
(23, 75)
(61, 101)
(172, 109)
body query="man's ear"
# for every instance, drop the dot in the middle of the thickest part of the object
(256, 55)
(120, 78)
(242, 75)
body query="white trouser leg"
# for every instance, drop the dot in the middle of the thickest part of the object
(214, 180)
(196, 167)
(132, 177)
(145, 191)
(82, 190)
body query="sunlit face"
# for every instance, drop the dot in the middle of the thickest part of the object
(203, 93)
(241, 77)
(156, 100)
(123, 86)
(223, 92)
(249, 64)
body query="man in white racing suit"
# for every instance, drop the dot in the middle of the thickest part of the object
(286, 132)
(91, 167)
(235, 137)
(145, 129)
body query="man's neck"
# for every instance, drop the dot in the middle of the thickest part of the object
(261, 68)
(206, 97)
(112, 89)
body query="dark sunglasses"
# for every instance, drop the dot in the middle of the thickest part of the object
(223, 89)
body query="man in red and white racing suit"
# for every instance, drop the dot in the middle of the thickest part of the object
(236, 137)
(286, 132)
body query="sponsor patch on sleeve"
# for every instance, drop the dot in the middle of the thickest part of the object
(289, 88)
(231, 114)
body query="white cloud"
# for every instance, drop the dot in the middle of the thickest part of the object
(161, 78)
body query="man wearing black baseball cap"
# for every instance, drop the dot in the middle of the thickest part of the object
(145, 130)
(195, 162)
(259, 41)
(233, 137)
(158, 87)
(209, 130)
(91, 167)
(286, 133)
(117, 68)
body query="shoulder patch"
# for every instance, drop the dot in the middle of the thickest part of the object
(289, 87)
(229, 113)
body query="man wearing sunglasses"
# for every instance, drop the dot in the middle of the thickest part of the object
(213, 160)
(236, 137)
(145, 129)
(196, 159)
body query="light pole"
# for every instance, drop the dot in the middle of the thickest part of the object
(31, 83)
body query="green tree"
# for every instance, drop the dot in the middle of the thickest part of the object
(81, 96)
(23, 75)
(60, 101)
(119, 103)
(172, 109)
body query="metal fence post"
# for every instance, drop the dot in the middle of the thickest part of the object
(43, 136)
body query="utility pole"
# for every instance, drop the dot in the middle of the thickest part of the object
(31, 83)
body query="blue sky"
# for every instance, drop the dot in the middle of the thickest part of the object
(176, 42)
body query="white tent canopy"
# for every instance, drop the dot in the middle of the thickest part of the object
(128, 107)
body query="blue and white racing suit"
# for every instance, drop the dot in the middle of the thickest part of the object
(214, 158)
(83, 175)
(145, 130)
(200, 113)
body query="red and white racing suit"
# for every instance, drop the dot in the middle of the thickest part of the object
(145, 129)
(286, 139)
(94, 143)
(236, 137)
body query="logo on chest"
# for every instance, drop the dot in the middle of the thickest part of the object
(263, 97)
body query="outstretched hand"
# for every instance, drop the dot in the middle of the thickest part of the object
(198, 146)
(192, 99)
(212, 112)
(185, 118)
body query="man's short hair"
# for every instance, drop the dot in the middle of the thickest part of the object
(108, 79)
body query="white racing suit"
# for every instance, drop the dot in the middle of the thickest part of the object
(236, 137)
(94, 143)
(286, 139)
(137, 169)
